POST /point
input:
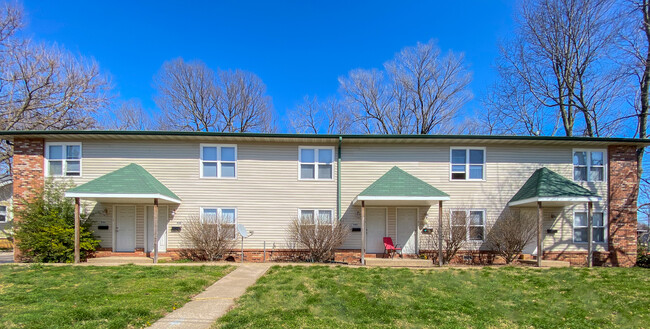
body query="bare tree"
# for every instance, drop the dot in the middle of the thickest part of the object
(329, 117)
(419, 92)
(557, 65)
(129, 115)
(207, 240)
(242, 103)
(510, 234)
(320, 240)
(187, 95)
(44, 87)
(192, 97)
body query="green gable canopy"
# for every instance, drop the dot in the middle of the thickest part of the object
(130, 183)
(399, 187)
(545, 185)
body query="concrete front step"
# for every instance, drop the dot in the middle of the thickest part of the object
(546, 263)
(399, 262)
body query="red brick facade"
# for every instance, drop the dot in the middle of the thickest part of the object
(622, 195)
(27, 172)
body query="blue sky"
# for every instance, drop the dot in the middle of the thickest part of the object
(296, 47)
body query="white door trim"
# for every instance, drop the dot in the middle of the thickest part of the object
(135, 225)
(146, 226)
(417, 229)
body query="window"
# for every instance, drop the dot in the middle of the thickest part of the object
(314, 218)
(315, 163)
(218, 161)
(3, 214)
(467, 163)
(589, 165)
(468, 224)
(581, 227)
(63, 159)
(226, 218)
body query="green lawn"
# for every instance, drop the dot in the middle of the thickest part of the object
(129, 296)
(505, 297)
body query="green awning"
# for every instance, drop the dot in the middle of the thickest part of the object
(545, 185)
(128, 183)
(399, 187)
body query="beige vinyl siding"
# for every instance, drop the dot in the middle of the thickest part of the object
(507, 169)
(266, 192)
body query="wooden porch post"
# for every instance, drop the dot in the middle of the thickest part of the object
(363, 232)
(440, 260)
(77, 205)
(590, 234)
(155, 231)
(540, 245)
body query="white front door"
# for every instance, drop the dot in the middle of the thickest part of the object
(375, 230)
(162, 228)
(407, 229)
(124, 228)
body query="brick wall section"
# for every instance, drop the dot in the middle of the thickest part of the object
(27, 172)
(623, 190)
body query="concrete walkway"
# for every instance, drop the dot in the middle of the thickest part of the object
(205, 308)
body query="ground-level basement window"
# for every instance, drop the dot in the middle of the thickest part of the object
(226, 218)
(3, 214)
(315, 162)
(63, 159)
(581, 227)
(315, 218)
(218, 161)
(468, 224)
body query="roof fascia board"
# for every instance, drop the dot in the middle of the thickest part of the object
(120, 196)
(555, 199)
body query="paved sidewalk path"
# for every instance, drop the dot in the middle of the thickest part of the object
(205, 308)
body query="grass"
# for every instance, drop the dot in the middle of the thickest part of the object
(129, 296)
(504, 297)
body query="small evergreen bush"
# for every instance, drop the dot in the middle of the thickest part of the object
(45, 230)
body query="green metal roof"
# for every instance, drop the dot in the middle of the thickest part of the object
(130, 180)
(397, 182)
(323, 136)
(545, 183)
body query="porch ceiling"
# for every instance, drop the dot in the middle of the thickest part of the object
(130, 184)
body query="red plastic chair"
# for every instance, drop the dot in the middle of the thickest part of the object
(390, 248)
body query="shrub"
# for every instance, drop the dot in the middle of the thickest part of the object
(452, 240)
(45, 229)
(207, 240)
(511, 233)
(320, 240)
(642, 256)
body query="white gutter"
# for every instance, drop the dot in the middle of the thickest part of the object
(579, 199)
(121, 195)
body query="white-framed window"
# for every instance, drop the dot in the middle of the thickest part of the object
(3, 214)
(467, 163)
(62, 159)
(468, 224)
(581, 227)
(589, 165)
(315, 163)
(226, 218)
(218, 161)
(316, 218)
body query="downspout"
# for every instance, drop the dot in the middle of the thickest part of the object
(338, 179)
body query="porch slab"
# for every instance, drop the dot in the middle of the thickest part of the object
(121, 260)
(398, 262)
(545, 263)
